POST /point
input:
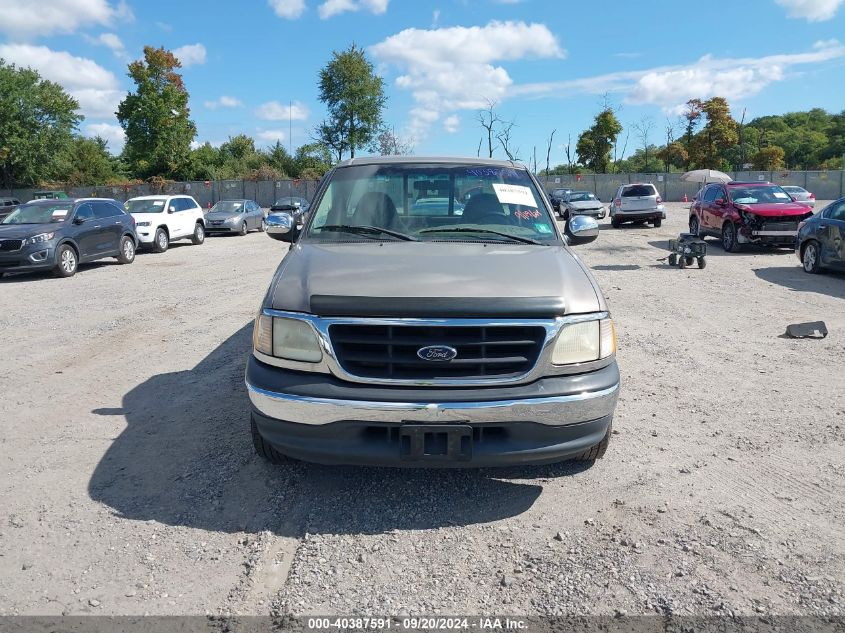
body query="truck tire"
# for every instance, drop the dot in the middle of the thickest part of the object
(263, 448)
(597, 451)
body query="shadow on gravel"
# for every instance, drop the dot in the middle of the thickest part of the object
(186, 458)
(793, 277)
(617, 267)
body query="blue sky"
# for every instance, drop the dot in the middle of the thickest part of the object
(546, 64)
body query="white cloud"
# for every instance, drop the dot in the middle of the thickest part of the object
(190, 54)
(671, 86)
(288, 9)
(111, 41)
(452, 123)
(334, 7)
(111, 133)
(811, 10)
(24, 20)
(96, 89)
(270, 136)
(275, 111)
(223, 102)
(453, 68)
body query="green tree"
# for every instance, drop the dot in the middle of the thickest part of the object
(37, 121)
(768, 158)
(692, 117)
(354, 97)
(716, 138)
(156, 117)
(84, 161)
(673, 155)
(595, 144)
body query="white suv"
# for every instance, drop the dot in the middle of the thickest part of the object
(160, 220)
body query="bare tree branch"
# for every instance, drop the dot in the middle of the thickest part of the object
(549, 151)
(488, 120)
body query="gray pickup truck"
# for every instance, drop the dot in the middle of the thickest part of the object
(430, 313)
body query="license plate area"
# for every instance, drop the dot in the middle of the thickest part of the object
(440, 442)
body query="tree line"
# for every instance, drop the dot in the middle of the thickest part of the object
(707, 136)
(40, 142)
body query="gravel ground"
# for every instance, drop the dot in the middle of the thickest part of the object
(130, 487)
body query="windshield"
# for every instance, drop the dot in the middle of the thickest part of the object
(39, 213)
(581, 196)
(431, 202)
(228, 206)
(766, 194)
(145, 206)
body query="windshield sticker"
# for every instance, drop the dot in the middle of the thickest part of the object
(514, 194)
(237, 205)
(543, 228)
(158, 203)
(494, 172)
(527, 215)
(781, 195)
(58, 214)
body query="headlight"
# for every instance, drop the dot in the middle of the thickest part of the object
(584, 342)
(286, 338)
(143, 224)
(41, 237)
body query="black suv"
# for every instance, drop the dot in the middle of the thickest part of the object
(557, 196)
(58, 235)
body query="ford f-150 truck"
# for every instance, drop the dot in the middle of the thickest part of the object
(458, 337)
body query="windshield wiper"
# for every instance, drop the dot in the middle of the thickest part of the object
(367, 230)
(515, 238)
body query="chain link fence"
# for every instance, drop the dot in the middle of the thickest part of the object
(826, 185)
(264, 192)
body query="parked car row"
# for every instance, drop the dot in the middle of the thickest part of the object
(58, 233)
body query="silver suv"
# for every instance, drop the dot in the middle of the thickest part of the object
(444, 334)
(638, 202)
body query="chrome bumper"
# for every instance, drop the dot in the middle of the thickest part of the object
(551, 411)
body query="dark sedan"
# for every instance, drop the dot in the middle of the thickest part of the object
(235, 216)
(59, 235)
(296, 207)
(821, 239)
(556, 196)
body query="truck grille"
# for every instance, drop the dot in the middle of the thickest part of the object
(10, 245)
(390, 351)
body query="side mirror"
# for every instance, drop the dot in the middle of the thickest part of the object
(280, 227)
(171, 209)
(77, 220)
(720, 202)
(582, 229)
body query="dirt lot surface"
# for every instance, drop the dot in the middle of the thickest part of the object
(129, 484)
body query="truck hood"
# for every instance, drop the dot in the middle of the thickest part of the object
(775, 209)
(433, 279)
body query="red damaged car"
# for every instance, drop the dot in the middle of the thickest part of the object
(747, 213)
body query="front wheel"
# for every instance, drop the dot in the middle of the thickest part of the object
(694, 226)
(199, 234)
(811, 259)
(66, 261)
(596, 452)
(243, 230)
(263, 226)
(264, 448)
(126, 252)
(161, 241)
(729, 242)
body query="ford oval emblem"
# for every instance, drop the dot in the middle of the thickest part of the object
(437, 353)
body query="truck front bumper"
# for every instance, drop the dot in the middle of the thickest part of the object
(316, 417)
